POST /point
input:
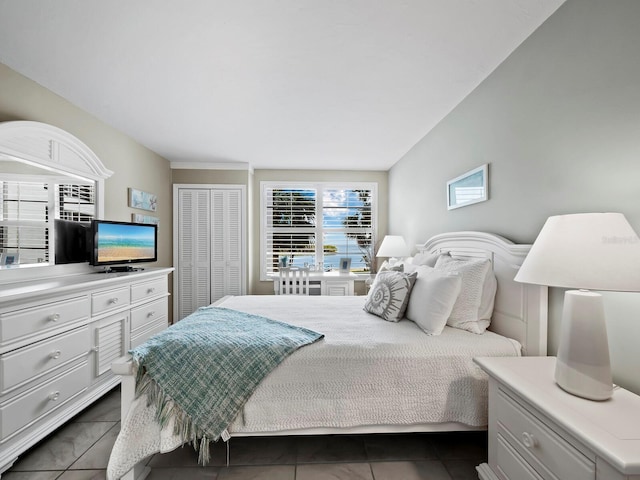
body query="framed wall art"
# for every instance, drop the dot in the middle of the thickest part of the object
(469, 188)
(140, 218)
(142, 200)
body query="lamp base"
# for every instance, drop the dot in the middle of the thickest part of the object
(583, 367)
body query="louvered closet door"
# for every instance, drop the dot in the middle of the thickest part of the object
(193, 266)
(226, 244)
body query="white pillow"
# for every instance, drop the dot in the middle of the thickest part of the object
(425, 258)
(466, 311)
(389, 295)
(432, 298)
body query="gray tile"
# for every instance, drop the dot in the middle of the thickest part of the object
(335, 471)
(399, 447)
(51, 475)
(331, 448)
(197, 473)
(460, 445)
(186, 456)
(427, 470)
(64, 447)
(97, 457)
(462, 469)
(263, 472)
(84, 475)
(262, 451)
(107, 409)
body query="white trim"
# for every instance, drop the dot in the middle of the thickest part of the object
(211, 166)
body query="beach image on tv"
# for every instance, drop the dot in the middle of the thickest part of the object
(125, 242)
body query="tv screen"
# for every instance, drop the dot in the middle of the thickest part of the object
(120, 243)
(71, 242)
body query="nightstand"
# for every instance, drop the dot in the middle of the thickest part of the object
(538, 431)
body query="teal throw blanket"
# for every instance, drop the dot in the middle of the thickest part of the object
(202, 370)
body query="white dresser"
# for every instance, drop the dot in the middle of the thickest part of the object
(58, 338)
(326, 283)
(538, 431)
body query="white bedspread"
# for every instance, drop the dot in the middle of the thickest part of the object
(367, 371)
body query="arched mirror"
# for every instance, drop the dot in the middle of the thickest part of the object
(46, 175)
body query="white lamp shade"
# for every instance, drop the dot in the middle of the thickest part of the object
(393, 246)
(595, 251)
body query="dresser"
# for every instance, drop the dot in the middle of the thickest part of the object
(58, 338)
(538, 431)
(326, 283)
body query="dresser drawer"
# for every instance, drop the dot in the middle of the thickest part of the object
(110, 300)
(14, 325)
(140, 291)
(143, 335)
(539, 445)
(21, 365)
(153, 312)
(26, 408)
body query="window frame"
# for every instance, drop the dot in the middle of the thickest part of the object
(319, 229)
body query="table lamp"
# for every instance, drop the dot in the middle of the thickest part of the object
(588, 251)
(393, 246)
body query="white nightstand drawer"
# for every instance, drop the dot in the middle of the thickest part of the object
(21, 365)
(24, 409)
(34, 320)
(546, 451)
(110, 300)
(140, 291)
(512, 465)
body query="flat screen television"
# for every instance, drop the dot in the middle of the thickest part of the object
(123, 243)
(71, 242)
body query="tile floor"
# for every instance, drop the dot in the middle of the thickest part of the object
(80, 449)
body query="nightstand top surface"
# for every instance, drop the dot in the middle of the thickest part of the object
(611, 428)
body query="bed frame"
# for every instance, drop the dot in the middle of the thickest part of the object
(520, 312)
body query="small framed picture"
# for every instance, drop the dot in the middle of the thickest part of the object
(345, 265)
(469, 188)
(9, 258)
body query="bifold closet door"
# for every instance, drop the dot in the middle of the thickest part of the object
(209, 245)
(193, 259)
(226, 243)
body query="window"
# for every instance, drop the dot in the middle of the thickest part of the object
(316, 224)
(28, 206)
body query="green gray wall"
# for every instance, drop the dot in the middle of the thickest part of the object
(559, 124)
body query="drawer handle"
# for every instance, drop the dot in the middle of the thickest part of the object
(113, 300)
(151, 290)
(151, 314)
(53, 396)
(55, 354)
(54, 317)
(529, 440)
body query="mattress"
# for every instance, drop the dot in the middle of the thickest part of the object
(367, 371)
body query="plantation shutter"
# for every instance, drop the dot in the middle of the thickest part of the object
(226, 252)
(25, 220)
(290, 224)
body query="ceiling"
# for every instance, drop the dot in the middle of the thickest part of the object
(302, 84)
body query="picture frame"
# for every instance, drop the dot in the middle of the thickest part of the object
(140, 218)
(142, 200)
(9, 258)
(469, 188)
(345, 265)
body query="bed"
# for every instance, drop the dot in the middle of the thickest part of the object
(368, 375)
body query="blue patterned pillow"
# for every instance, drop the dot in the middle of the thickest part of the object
(389, 295)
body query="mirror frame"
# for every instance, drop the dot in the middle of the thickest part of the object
(53, 148)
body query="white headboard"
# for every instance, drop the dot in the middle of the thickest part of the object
(520, 310)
